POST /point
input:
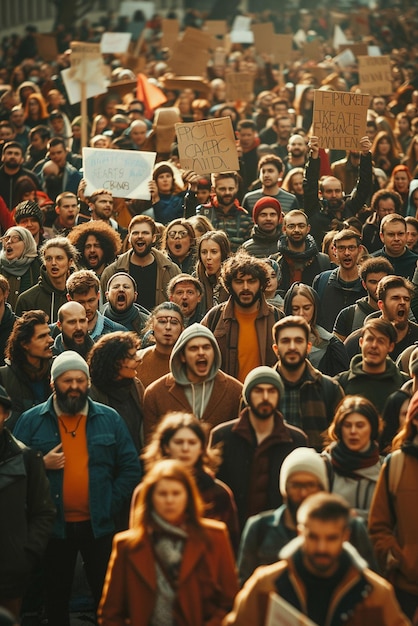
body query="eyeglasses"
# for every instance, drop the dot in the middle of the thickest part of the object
(11, 238)
(296, 486)
(168, 320)
(177, 233)
(301, 225)
(344, 248)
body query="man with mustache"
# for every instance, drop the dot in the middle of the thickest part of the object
(320, 575)
(254, 446)
(310, 397)
(92, 466)
(224, 210)
(242, 325)
(74, 335)
(97, 243)
(195, 383)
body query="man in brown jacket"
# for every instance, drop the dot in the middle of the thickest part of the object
(320, 575)
(195, 384)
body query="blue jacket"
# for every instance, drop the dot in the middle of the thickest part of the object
(114, 469)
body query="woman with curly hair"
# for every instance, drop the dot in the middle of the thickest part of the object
(179, 244)
(112, 362)
(181, 436)
(97, 243)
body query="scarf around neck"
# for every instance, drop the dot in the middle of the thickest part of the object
(346, 462)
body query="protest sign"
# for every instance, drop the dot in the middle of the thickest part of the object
(339, 119)
(375, 74)
(215, 28)
(73, 88)
(241, 30)
(86, 62)
(359, 21)
(264, 37)
(313, 50)
(239, 86)
(170, 30)
(197, 83)
(125, 173)
(344, 58)
(282, 613)
(47, 46)
(356, 48)
(207, 146)
(115, 43)
(283, 45)
(191, 55)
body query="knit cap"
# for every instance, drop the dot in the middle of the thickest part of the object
(29, 208)
(303, 460)
(413, 362)
(262, 375)
(66, 361)
(266, 202)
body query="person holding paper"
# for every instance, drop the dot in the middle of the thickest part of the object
(320, 575)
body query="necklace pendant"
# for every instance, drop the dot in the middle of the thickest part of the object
(73, 433)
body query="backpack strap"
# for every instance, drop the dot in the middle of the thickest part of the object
(394, 465)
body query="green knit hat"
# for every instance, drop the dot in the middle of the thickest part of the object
(262, 375)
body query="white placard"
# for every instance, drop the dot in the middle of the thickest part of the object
(281, 613)
(374, 51)
(345, 58)
(241, 36)
(129, 7)
(241, 22)
(115, 43)
(126, 173)
(73, 87)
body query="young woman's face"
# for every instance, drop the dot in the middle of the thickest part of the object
(169, 500)
(165, 183)
(401, 182)
(185, 446)
(272, 283)
(383, 146)
(301, 305)
(297, 184)
(402, 412)
(34, 106)
(127, 366)
(211, 257)
(356, 432)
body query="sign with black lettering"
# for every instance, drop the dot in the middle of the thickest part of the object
(339, 119)
(207, 146)
(126, 173)
(375, 74)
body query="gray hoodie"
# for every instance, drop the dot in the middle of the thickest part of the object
(198, 394)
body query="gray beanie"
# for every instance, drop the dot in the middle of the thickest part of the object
(262, 375)
(303, 460)
(68, 360)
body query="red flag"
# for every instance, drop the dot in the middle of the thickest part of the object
(150, 95)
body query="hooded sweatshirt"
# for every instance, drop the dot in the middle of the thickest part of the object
(42, 296)
(410, 209)
(197, 394)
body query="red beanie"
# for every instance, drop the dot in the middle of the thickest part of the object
(266, 202)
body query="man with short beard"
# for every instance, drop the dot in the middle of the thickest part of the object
(98, 244)
(254, 446)
(298, 256)
(242, 325)
(310, 398)
(149, 267)
(297, 153)
(92, 466)
(270, 173)
(74, 335)
(121, 293)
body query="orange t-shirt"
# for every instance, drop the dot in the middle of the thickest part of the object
(248, 348)
(76, 471)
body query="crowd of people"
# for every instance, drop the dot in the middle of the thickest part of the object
(210, 395)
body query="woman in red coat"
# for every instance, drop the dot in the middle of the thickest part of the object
(174, 568)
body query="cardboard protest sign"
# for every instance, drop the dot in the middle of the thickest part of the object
(313, 50)
(283, 45)
(170, 30)
(191, 55)
(86, 62)
(125, 173)
(356, 48)
(188, 82)
(239, 86)
(207, 146)
(359, 21)
(115, 43)
(375, 74)
(73, 87)
(215, 27)
(282, 613)
(264, 37)
(47, 46)
(339, 119)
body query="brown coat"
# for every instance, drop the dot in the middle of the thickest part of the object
(206, 588)
(377, 605)
(165, 394)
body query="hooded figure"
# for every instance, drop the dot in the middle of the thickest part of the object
(195, 383)
(19, 263)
